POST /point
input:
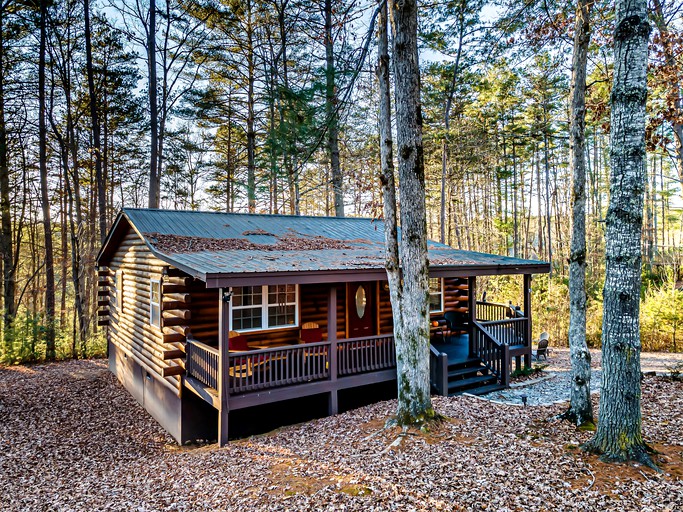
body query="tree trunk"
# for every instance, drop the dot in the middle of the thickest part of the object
(94, 119)
(44, 194)
(619, 436)
(447, 121)
(251, 108)
(549, 241)
(515, 226)
(412, 343)
(6, 248)
(154, 177)
(331, 107)
(580, 408)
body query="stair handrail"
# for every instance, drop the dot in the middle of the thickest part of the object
(500, 366)
(438, 370)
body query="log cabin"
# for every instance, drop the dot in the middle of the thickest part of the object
(208, 313)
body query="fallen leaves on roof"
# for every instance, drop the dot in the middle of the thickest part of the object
(290, 242)
(257, 232)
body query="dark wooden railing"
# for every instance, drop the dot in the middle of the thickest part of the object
(201, 361)
(511, 331)
(361, 355)
(275, 367)
(494, 354)
(293, 364)
(492, 311)
(438, 370)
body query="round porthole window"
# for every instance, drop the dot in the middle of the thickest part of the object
(361, 301)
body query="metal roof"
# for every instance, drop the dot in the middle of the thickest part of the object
(363, 245)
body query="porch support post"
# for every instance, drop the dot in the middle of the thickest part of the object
(471, 310)
(527, 313)
(223, 364)
(333, 406)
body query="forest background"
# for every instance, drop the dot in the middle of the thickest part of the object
(271, 106)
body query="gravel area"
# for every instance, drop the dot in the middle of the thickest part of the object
(72, 439)
(552, 385)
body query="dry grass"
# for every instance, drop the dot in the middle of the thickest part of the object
(72, 439)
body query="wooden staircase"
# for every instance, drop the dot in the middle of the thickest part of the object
(471, 376)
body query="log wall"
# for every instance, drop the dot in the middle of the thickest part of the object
(313, 300)
(455, 299)
(159, 351)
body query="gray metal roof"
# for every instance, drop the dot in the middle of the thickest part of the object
(363, 242)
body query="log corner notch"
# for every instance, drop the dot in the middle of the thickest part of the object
(104, 287)
(175, 313)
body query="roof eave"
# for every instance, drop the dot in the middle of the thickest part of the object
(222, 280)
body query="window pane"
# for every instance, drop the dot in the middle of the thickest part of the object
(237, 296)
(155, 292)
(434, 284)
(246, 296)
(435, 302)
(282, 294)
(155, 315)
(247, 318)
(281, 315)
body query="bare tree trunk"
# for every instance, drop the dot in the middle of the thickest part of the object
(94, 119)
(154, 177)
(251, 108)
(447, 121)
(6, 248)
(412, 344)
(44, 194)
(515, 224)
(619, 435)
(331, 105)
(580, 408)
(549, 241)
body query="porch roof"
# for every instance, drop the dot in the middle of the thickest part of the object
(227, 249)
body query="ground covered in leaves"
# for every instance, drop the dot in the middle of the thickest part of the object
(71, 438)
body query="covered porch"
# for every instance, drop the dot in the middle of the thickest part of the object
(474, 355)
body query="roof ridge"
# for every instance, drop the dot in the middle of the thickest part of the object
(247, 214)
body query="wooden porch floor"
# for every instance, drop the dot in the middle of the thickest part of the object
(456, 347)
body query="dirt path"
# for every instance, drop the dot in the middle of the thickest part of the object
(72, 439)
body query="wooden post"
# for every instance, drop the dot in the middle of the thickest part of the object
(472, 310)
(223, 365)
(332, 339)
(527, 313)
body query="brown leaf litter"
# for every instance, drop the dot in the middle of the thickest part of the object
(71, 438)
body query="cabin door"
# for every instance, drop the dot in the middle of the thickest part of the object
(361, 309)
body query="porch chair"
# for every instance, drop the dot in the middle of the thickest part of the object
(542, 348)
(315, 357)
(244, 366)
(456, 321)
(310, 333)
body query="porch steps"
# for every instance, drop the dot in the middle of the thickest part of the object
(470, 376)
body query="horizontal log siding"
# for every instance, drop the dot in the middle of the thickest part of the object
(455, 299)
(204, 309)
(129, 327)
(455, 294)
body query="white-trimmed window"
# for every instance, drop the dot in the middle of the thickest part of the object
(435, 295)
(256, 308)
(155, 302)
